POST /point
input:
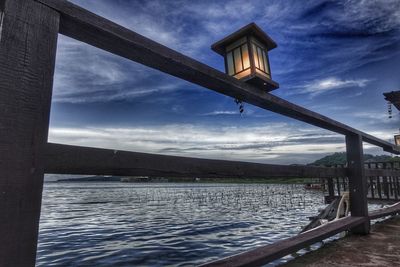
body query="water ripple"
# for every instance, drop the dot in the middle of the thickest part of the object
(122, 224)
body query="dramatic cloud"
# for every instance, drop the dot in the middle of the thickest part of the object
(259, 143)
(334, 57)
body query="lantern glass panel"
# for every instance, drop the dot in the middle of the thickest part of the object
(245, 56)
(229, 62)
(238, 60)
(260, 59)
(255, 56)
(266, 65)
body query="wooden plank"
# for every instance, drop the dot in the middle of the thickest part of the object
(385, 187)
(87, 27)
(378, 181)
(357, 181)
(66, 159)
(331, 188)
(379, 185)
(268, 253)
(371, 180)
(395, 182)
(371, 184)
(28, 40)
(381, 172)
(385, 183)
(397, 186)
(338, 185)
(344, 184)
(391, 193)
(391, 210)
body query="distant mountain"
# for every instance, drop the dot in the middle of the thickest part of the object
(96, 178)
(340, 158)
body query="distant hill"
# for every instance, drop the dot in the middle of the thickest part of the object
(96, 178)
(340, 158)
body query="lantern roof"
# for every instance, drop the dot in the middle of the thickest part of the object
(250, 29)
(393, 97)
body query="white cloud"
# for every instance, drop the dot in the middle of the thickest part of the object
(258, 144)
(220, 112)
(85, 74)
(380, 116)
(321, 86)
(367, 13)
(161, 21)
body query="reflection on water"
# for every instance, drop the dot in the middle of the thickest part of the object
(127, 224)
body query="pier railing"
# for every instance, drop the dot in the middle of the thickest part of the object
(28, 42)
(382, 182)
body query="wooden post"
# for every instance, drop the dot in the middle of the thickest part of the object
(357, 182)
(385, 183)
(28, 40)
(338, 185)
(394, 182)
(371, 182)
(331, 188)
(397, 186)
(344, 184)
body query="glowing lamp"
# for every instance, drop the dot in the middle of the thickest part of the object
(246, 56)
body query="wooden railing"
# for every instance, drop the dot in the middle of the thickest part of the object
(28, 38)
(382, 182)
(66, 159)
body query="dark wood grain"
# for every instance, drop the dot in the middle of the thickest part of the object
(67, 159)
(27, 54)
(392, 210)
(268, 253)
(87, 27)
(357, 182)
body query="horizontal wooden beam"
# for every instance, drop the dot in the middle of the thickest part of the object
(87, 27)
(268, 253)
(382, 172)
(66, 159)
(391, 210)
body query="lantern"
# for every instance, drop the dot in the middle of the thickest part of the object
(397, 139)
(246, 56)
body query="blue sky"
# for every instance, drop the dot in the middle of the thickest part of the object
(333, 57)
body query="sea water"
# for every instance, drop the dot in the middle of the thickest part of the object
(166, 224)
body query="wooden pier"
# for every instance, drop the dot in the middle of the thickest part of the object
(379, 248)
(28, 38)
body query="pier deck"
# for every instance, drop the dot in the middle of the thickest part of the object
(379, 248)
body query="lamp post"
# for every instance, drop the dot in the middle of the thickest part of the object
(246, 56)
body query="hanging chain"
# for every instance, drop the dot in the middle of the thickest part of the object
(240, 104)
(389, 109)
